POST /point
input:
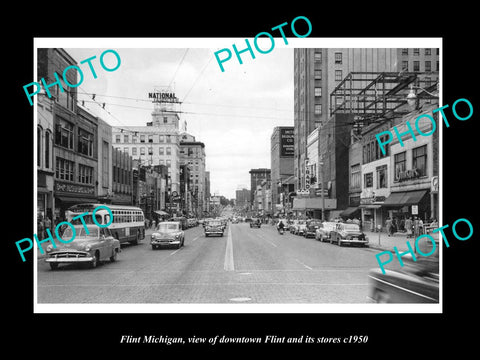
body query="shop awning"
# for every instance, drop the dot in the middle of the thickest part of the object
(160, 212)
(76, 199)
(348, 211)
(313, 204)
(370, 206)
(404, 198)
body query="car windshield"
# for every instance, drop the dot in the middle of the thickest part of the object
(351, 227)
(80, 231)
(214, 223)
(167, 227)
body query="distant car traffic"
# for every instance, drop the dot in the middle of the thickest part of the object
(169, 233)
(291, 225)
(255, 223)
(415, 282)
(214, 227)
(324, 230)
(348, 234)
(91, 246)
(311, 228)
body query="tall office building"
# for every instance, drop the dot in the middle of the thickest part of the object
(318, 71)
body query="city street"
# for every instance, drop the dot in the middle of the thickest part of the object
(247, 265)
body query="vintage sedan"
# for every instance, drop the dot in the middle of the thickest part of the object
(348, 234)
(300, 227)
(90, 245)
(324, 230)
(291, 225)
(414, 282)
(168, 233)
(311, 228)
(255, 223)
(214, 227)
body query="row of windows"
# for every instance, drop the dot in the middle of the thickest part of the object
(419, 162)
(161, 150)
(122, 216)
(416, 51)
(381, 173)
(372, 151)
(65, 170)
(65, 137)
(416, 66)
(143, 138)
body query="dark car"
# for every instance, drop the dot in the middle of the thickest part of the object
(348, 234)
(311, 228)
(255, 223)
(90, 246)
(168, 233)
(414, 282)
(214, 227)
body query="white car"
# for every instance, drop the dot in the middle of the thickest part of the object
(323, 233)
(169, 233)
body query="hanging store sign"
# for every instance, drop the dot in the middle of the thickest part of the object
(286, 143)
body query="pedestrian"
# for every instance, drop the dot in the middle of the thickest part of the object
(47, 224)
(408, 227)
(416, 227)
(394, 226)
(40, 227)
(388, 224)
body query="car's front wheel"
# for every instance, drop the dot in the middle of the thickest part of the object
(95, 260)
(113, 258)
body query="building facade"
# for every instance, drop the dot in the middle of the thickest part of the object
(281, 152)
(192, 153)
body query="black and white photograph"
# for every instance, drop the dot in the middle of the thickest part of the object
(300, 181)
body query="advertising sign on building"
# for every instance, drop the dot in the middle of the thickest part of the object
(307, 175)
(286, 142)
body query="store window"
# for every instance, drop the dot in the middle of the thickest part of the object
(85, 174)
(64, 134)
(400, 164)
(85, 142)
(382, 177)
(419, 160)
(64, 169)
(368, 180)
(355, 179)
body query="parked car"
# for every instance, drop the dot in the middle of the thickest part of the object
(311, 228)
(300, 227)
(90, 246)
(415, 282)
(324, 230)
(291, 226)
(348, 234)
(182, 220)
(213, 227)
(255, 223)
(169, 233)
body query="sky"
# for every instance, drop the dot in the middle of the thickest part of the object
(232, 112)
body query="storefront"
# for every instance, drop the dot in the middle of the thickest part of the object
(67, 195)
(311, 207)
(408, 204)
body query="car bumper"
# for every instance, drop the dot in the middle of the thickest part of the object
(353, 241)
(165, 242)
(219, 232)
(70, 257)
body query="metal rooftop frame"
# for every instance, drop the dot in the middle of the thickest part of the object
(373, 94)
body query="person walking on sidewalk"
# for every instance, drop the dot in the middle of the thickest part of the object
(408, 227)
(389, 225)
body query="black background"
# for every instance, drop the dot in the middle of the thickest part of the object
(61, 335)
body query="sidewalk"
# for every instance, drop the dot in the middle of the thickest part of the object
(398, 239)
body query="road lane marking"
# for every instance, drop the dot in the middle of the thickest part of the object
(174, 252)
(195, 238)
(308, 267)
(228, 264)
(261, 237)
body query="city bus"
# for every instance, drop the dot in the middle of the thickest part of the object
(128, 223)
